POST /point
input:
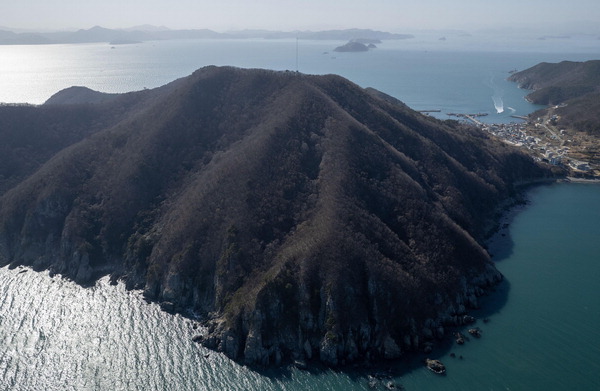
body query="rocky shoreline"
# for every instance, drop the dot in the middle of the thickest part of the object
(352, 347)
(350, 350)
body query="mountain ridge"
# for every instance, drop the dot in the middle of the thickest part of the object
(574, 86)
(150, 33)
(301, 216)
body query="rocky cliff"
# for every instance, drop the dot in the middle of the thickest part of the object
(301, 216)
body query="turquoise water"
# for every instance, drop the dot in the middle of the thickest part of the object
(542, 332)
(548, 332)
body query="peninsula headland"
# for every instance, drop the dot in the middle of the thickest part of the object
(298, 217)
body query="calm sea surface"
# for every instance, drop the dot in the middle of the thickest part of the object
(460, 75)
(543, 321)
(542, 332)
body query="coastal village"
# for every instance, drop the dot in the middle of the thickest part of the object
(545, 141)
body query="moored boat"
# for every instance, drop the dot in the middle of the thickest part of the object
(435, 366)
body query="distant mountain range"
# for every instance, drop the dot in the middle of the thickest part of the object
(152, 33)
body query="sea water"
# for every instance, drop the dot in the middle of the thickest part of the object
(453, 77)
(541, 328)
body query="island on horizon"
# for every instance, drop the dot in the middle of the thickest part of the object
(152, 33)
(356, 45)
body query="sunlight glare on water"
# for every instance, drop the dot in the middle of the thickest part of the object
(56, 335)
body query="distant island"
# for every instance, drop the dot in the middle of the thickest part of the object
(152, 33)
(354, 46)
(308, 220)
(124, 42)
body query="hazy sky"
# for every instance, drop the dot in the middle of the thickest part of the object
(222, 15)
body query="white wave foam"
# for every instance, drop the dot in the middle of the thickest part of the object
(498, 104)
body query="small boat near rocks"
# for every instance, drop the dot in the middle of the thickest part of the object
(435, 366)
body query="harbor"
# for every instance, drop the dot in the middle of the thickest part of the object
(543, 140)
(557, 147)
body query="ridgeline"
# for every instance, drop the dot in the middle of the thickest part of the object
(573, 86)
(302, 217)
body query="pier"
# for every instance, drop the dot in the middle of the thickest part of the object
(475, 121)
(470, 117)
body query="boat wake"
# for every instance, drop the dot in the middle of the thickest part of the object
(497, 95)
(512, 111)
(498, 104)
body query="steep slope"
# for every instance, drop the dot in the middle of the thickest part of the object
(554, 83)
(31, 135)
(301, 216)
(573, 85)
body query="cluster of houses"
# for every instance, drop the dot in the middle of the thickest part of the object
(513, 133)
(516, 134)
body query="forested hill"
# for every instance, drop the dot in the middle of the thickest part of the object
(301, 216)
(558, 82)
(574, 85)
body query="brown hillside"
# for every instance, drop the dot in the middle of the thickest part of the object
(573, 85)
(302, 216)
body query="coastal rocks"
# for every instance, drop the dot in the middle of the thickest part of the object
(198, 338)
(328, 350)
(252, 341)
(383, 379)
(390, 385)
(84, 271)
(460, 339)
(254, 352)
(173, 287)
(230, 344)
(351, 352)
(167, 306)
(391, 350)
(433, 329)
(301, 364)
(307, 349)
(221, 338)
